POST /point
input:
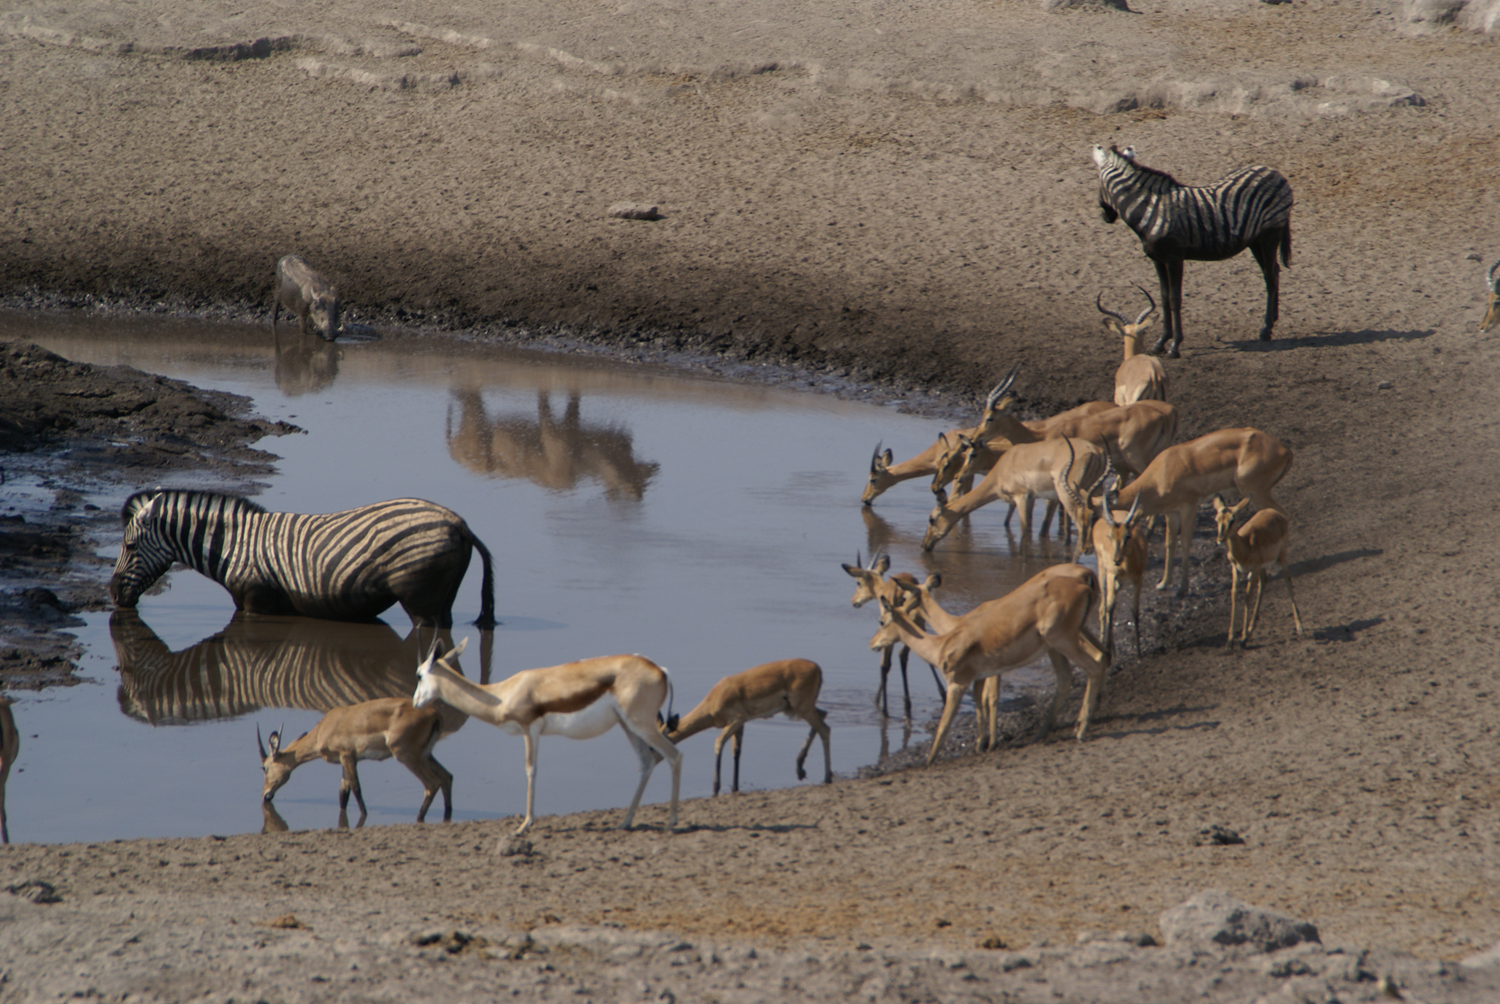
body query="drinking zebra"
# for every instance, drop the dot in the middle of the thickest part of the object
(1250, 208)
(348, 565)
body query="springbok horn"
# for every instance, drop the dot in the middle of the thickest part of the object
(1068, 485)
(260, 742)
(1135, 507)
(1149, 310)
(875, 458)
(1108, 313)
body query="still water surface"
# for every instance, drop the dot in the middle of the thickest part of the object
(698, 522)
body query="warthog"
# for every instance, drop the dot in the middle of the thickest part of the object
(306, 295)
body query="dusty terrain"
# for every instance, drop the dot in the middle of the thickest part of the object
(899, 196)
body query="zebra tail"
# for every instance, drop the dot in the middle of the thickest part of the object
(1286, 246)
(486, 620)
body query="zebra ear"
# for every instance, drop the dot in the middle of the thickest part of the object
(136, 504)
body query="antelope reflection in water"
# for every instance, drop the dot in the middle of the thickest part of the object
(269, 662)
(554, 454)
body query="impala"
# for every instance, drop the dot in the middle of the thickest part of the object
(579, 700)
(1492, 283)
(789, 687)
(1120, 545)
(1183, 475)
(1258, 542)
(10, 748)
(1061, 469)
(1045, 614)
(1141, 376)
(371, 730)
(884, 473)
(918, 602)
(1132, 435)
(872, 585)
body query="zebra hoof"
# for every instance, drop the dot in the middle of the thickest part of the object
(1265, 334)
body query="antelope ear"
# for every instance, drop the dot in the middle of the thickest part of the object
(274, 741)
(1240, 506)
(1219, 505)
(882, 564)
(887, 457)
(933, 581)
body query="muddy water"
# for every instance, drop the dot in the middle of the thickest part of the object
(697, 522)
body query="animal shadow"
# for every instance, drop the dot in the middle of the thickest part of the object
(1329, 339)
(1346, 632)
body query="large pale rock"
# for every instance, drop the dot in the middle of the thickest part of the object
(1218, 918)
(1422, 16)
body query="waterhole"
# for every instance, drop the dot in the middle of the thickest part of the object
(696, 521)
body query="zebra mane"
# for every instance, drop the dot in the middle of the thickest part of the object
(139, 501)
(1140, 168)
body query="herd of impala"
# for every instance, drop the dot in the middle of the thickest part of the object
(1112, 468)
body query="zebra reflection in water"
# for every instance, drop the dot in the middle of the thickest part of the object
(261, 662)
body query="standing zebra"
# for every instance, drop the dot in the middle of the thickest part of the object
(1250, 208)
(341, 566)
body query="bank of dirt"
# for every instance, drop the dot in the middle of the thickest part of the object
(903, 198)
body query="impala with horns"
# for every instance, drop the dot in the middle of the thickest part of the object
(788, 686)
(1184, 475)
(872, 585)
(963, 457)
(579, 700)
(1251, 547)
(1492, 283)
(1120, 546)
(1062, 469)
(1141, 376)
(885, 473)
(1047, 613)
(372, 730)
(1132, 435)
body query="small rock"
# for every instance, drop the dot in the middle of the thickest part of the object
(511, 845)
(1222, 836)
(1384, 385)
(1483, 960)
(994, 941)
(634, 211)
(287, 922)
(35, 891)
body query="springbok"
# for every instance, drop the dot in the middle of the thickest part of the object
(10, 748)
(872, 585)
(307, 296)
(579, 700)
(1183, 475)
(1258, 542)
(1141, 376)
(1044, 614)
(1132, 435)
(1062, 469)
(1120, 545)
(789, 686)
(1492, 283)
(371, 730)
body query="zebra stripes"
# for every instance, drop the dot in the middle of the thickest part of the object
(1250, 208)
(348, 565)
(259, 663)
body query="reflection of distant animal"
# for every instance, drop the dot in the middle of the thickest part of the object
(10, 747)
(348, 565)
(259, 662)
(306, 295)
(554, 454)
(372, 730)
(305, 364)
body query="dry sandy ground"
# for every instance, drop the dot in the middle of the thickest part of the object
(899, 195)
